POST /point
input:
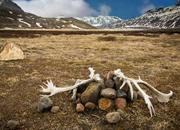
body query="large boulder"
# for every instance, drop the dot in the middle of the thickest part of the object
(91, 93)
(10, 51)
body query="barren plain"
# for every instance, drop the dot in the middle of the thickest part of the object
(65, 58)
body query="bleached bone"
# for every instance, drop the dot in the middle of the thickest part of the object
(162, 97)
(51, 89)
(73, 97)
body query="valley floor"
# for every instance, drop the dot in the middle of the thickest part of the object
(65, 58)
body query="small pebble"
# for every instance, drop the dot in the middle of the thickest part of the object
(105, 104)
(108, 93)
(113, 117)
(120, 103)
(90, 105)
(55, 109)
(80, 107)
(109, 83)
(12, 124)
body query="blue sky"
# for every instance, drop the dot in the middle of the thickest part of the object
(124, 9)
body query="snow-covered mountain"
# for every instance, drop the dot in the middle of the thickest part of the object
(168, 17)
(100, 21)
(12, 16)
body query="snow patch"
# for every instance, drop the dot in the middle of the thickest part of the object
(7, 28)
(21, 20)
(74, 26)
(10, 18)
(10, 12)
(39, 25)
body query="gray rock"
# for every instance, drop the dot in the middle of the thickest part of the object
(121, 94)
(55, 109)
(108, 93)
(91, 93)
(44, 104)
(12, 124)
(113, 117)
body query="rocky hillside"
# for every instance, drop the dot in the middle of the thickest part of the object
(168, 17)
(12, 16)
(100, 21)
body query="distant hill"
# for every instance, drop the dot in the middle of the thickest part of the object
(12, 16)
(100, 21)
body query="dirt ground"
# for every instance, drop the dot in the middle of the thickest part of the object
(65, 58)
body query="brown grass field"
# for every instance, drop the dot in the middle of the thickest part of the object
(65, 58)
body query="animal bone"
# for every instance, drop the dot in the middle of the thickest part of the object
(51, 89)
(73, 97)
(162, 97)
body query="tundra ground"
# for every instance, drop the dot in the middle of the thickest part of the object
(65, 58)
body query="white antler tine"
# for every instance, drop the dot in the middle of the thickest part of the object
(131, 89)
(123, 84)
(91, 72)
(41, 87)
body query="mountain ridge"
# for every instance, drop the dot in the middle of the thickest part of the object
(13, 17)
(99, 21)
(168, 17)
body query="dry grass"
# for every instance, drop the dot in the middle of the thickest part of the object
(106, 38)
(65, 58)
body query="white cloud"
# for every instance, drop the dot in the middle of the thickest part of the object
(105, 10)
(147, 5)
(54, 8)
(146, 8)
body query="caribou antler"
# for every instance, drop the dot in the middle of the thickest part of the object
(51, 89)
(162, 97)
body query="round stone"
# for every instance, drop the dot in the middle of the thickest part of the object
(113, 117)
(105, 104)
(90, 105)
(55, 109)
(108, 93)
(44, 104)
(79, 107)
(120, 103)
(12, 124)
